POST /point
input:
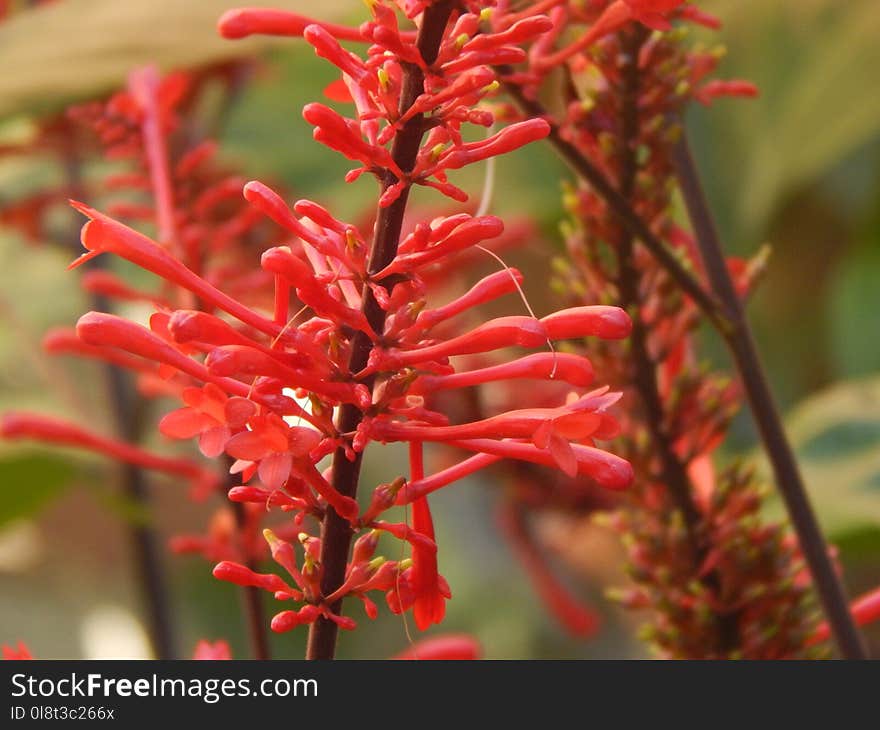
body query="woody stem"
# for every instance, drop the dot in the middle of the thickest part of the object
(673, 471)
(745, 354)
(724, 311)
(336, 533)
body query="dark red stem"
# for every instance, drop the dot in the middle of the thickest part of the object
(723, 309)
(143, 538)
(673, 472)
(618, 203)
(336, 533)
(788, 478)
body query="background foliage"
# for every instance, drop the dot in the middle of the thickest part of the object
(798, 168)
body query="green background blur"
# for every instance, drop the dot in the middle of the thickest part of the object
(798, 168)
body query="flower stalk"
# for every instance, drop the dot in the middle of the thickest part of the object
(336, 531)
(829, 587)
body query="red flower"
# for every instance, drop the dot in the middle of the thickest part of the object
(430, 590)
(245, 377)
(211, 415)
(273, 445)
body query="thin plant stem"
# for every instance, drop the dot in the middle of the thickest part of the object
(673, 472)
(336, 532)
(828, 585)
(252, 600)
(152, 580)
(725, 312)
(587, 171)
(142, 535)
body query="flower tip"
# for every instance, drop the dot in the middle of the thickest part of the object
(314, 32)
(86, 210)
(618, 324)
(9, 425)
(210, 651)
(224, 570)
(620, 476)
(542, 128)
(233, 24)
(254, 190)
(89, 324)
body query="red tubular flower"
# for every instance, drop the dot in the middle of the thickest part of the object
(102, 235)
(572, 369)
(361, 360)
(507, 140)
(429, 588)
(417, 488)
(463, 236)
(492, 335)
(108, 330)
(711, 90)
(242, 576)
(445, 647)
(54, 431)
(607, 470)
(609, 323)
(485, 290)
(243, 22)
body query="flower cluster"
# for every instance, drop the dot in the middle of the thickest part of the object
(164, 175)
(718, 580)
(350, 344)
(374, 313)
(291, 340)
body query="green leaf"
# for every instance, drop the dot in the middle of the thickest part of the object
(28, 482)
(853, 304)
(79, 48)
(836, 437)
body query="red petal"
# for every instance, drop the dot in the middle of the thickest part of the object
(577, 425)
(248, 445)
(563, 455)
(274, 470)
(239, 411)
(184, 423)
(213, 440)
(338, 91)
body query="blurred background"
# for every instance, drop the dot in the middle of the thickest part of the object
(797, 169)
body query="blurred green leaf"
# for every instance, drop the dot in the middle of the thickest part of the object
(853, 305)
(815, 63)
(29, 482)
(836, 436)
(78, 48)
(122, 506)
